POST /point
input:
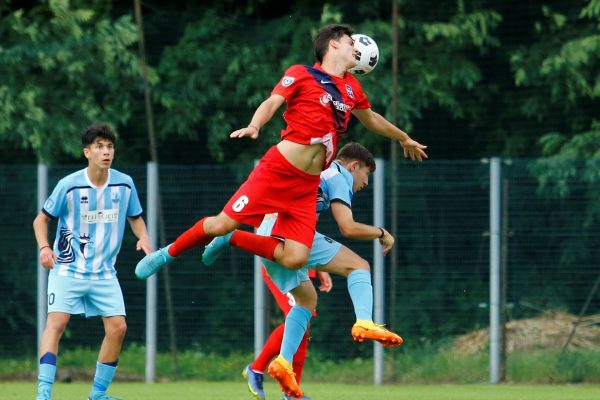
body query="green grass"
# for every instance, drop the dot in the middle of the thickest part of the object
(432, 365)
(318, 391)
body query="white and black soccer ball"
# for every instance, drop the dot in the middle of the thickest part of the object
(367, 54)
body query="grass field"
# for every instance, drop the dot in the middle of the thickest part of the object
(317, 391)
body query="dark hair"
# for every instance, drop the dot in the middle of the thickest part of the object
(97, 131)
(358, 152)
(327, 33)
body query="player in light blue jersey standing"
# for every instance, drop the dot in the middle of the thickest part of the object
(92, 206)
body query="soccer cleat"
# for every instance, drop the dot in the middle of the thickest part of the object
(102, 396)
(369, 330)
(213, 250)
(286, 397)
(281, 370)
(255, 382)
(44, 393)
(150, 264)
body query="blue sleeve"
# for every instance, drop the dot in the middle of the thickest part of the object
(134, 208)
(339, 190)
(57, 202)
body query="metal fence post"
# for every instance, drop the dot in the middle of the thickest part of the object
(378, 268)
(495, 248)
(151, 282)
(42, 273)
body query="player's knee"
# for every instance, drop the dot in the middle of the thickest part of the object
(363, 264)
(295, 261)
(358, 264)
(308, 302)
(117, 329)
(216, 226)
(56, 325)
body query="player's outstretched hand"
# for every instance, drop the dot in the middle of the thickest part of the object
(250, 131)
(414, 150)
(387, 241)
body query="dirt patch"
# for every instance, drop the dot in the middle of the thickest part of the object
(549, 331)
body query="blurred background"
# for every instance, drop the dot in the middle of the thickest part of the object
(472, 80)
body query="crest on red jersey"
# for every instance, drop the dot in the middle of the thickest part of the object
(349, 91)
(287, 80)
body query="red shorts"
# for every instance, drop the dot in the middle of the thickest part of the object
(276, 186)
(285, 301)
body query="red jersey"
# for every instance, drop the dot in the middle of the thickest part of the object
(318, 105)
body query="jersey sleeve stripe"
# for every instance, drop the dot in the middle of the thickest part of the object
(48, 214)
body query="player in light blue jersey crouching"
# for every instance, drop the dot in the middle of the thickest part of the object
(92, 206)
(348, 174)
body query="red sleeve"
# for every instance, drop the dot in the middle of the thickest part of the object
(289, 82)
(361, 98)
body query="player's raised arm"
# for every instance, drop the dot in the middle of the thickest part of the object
(378, 124)
(262, 115)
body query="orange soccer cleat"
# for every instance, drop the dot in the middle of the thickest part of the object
(369, 330)
(281, 370)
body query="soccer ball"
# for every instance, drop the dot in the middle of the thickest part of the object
(367, 54)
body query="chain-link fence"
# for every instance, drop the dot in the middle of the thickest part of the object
(438, 290)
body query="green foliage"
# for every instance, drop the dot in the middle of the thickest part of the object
(559, 74)
(64, 67)
(559, 70)
(223, 77)
(213, 75)
(69, 63)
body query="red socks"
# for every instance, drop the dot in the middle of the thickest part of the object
(299, 357)
(262, 246)
(194, 236)
(269, 350)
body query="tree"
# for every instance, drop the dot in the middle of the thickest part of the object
(559, 80)
(64, 67)
(214, 78)
(565, 81)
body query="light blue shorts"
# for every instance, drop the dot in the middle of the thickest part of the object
(85, 297)
(323, 250)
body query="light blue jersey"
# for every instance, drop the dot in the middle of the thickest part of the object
(91, 223)
(336, 185)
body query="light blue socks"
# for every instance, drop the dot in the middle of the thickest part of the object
(105, 373)
(361, 293)
(46, 374)
(296, 324)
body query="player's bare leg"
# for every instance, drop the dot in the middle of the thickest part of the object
(114, 333)
(291, 254)
(349, 264)
(56, 323)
